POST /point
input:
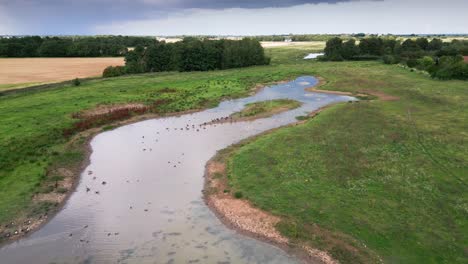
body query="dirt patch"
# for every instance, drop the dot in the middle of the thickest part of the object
(239, 212)
(46, 70)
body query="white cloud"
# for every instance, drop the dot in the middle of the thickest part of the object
(389, 16)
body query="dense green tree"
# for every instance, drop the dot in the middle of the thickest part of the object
(441, 60)
(349, 49)
(53, 47)
(371, 46)
(334, 49)
(411, 50)
(69, 46)
(435, 44)
(423, 43)
(193, 54)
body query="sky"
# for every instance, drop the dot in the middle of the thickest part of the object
(231, 17)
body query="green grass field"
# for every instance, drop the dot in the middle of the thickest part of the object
(388, 175)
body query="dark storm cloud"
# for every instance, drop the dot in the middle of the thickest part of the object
(222, 4)
(77, 16)
(175, 17)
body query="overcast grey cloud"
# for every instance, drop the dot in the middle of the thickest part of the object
(223, 4)
(229, 17)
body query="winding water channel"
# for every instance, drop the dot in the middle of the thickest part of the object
(140, 199)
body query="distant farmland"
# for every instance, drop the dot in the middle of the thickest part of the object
(46, 70)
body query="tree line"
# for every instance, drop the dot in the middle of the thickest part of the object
(443, 60)
(36, 46)
(191, 54)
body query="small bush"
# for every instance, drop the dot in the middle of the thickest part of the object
(238, 195)
(302, 118)
(389, 59)
(425, 63)
(412, 63)
(76, 82)
(108, 128)
(113, 71)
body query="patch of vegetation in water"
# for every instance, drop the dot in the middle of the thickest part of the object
(266, 108)
(303, 117)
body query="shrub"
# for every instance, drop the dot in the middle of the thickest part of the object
(389, 59)
(425, 63)
(412, 63)
(76, 82)
(450, 68)
(113, 71)
(238, 195)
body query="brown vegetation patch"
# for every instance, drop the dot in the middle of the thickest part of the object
(106, 109)
(87, 122)
(106, 114)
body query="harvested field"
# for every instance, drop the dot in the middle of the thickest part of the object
(45, 70)
(297, 44)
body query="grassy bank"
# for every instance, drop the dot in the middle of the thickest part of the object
(6, 87)
(387, 176)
